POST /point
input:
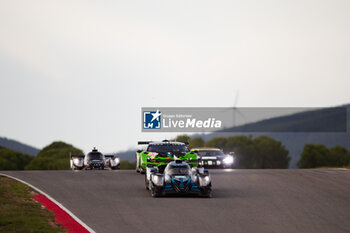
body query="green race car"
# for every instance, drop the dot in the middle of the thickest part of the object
(159, 154)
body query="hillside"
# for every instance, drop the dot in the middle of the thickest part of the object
(320, 120)
(18, 146)
(53, 157)
(13, 160)
(294, 131)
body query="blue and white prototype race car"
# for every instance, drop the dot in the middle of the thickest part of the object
(178, 179)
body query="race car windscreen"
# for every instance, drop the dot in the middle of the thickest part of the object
(176, 170)
(162, 148)
(94, 156)
(210, 153)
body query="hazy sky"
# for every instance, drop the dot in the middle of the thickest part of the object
(80, 71)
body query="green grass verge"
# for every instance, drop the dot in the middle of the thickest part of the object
(20, 213)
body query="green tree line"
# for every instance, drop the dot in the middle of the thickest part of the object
(52, 157)
(13, 160)
(317, 155)
(257, 153)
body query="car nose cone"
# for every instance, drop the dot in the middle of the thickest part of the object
(180, 183)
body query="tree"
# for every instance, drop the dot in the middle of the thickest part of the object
(53, 157)
(219, 142)
(243, 148)
(126, 165)
(339, 156)
(196, 142)
(314, 156)
(260, 152)
(270, 153)
(183, 138)
(13, 160)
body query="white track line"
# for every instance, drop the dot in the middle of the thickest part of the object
(54, 201)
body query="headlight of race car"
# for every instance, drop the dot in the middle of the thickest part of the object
(77, 162)
(114, 162)
(204, 180)
(228, 160)
(158, 180)
(167, 178)
(194, 178)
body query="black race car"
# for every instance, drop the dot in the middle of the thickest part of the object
(214, 157)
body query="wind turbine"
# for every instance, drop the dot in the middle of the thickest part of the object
(235, 110)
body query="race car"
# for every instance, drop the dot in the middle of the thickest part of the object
(178, 179)
(94, 160)
(159, 154)
(214, 157)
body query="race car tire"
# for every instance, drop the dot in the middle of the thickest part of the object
(154, 193)
(146, 183)
(142, 171)
(206, 194)
(137, 167)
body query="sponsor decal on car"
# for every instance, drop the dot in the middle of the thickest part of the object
(209, 157)
(152, 155)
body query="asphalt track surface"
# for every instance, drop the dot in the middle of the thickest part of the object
(254, 201)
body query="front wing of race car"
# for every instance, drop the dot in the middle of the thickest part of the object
(112, 162)
(77, 162)
(162, 184)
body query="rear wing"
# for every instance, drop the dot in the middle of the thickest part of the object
(172, 159)
(143, 142)
(148, 142)
(110, 156)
